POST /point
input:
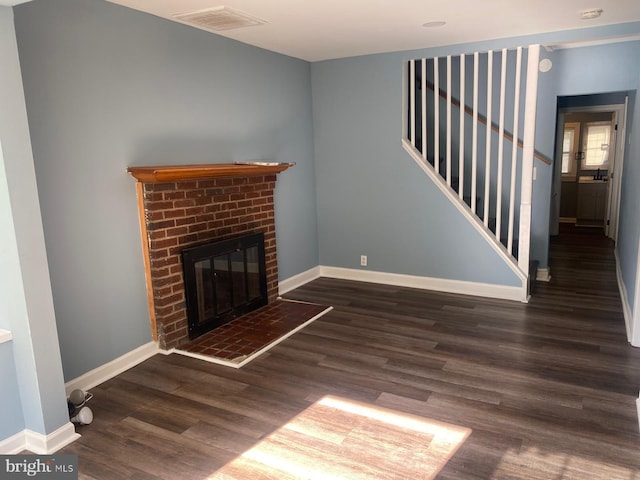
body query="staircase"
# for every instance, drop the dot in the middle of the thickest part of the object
(464, 118)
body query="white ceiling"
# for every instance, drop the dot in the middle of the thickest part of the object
(322, 29)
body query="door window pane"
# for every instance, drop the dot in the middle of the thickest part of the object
(597, 146)
(567, 144)
(570, 142)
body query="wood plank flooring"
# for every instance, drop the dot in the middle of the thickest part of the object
(548, 388)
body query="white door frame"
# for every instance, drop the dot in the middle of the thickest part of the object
(616, 186)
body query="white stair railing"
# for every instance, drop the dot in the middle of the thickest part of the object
(480, 172)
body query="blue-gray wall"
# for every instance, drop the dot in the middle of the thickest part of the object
(108, 87)
(26, 305)
(372, 198)
(629, 230)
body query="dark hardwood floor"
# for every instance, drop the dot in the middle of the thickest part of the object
(548, 388)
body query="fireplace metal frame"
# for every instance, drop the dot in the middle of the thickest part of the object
(217, 250)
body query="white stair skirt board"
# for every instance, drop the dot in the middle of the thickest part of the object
(39, 443)
(244, 361)
(543, 275)
(462, 287)
(298, 280)
(470, 216)
(111, 369)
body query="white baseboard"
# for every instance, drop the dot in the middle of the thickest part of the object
(428, 283)
(46, 444)
(5, 336)
(298, 280)
(543, 275)
(626, 308)
(114, 367)
(638, 407)
(39, 443)
(14, 444)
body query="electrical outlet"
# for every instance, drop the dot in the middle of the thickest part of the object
(363, 260)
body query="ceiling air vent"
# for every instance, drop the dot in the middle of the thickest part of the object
(217, 19)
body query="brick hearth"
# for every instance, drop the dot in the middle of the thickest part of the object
(191, 212)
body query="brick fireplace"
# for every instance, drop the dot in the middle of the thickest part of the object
(191, 205)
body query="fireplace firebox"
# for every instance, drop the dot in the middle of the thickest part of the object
(223, 280)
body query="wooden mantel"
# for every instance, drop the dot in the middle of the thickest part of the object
(170, 173)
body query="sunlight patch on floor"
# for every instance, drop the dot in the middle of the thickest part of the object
(337, 438)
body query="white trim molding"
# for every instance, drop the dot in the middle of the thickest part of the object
(111, 369)
(462, 287)
(51, 443)
(14, 444)
(298, 280)
(626, 308)
(543, 275)
(39, 443)
(635, 314)
(5, 336)
(12, 3)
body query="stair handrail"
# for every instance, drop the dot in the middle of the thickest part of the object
(482, 119)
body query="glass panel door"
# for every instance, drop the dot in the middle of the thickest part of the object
(239, 289)
(224, 280)
(253, 273)
(204, 288)
(222, 276)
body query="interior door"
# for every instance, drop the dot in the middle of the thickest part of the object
(615, 171)
(593, 171)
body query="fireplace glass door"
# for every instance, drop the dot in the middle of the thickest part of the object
(224, 280)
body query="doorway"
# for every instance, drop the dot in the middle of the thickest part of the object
(586, 150)
(588, 163)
